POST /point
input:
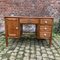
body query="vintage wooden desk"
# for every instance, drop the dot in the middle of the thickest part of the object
(13, 27)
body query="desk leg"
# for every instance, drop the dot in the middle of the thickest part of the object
(21, 29)
(6, 41)
(36, 31)
(50, 42)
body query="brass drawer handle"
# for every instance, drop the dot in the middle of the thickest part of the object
(16, 27)
(45, 34)
(46, 22)
(45, 28)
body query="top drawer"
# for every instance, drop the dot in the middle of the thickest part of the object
(46, 21)
(26, 20)
(35, 21)
(11, 18)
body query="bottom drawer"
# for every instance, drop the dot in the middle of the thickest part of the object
(45, 35)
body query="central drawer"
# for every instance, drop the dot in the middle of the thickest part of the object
(33, 21)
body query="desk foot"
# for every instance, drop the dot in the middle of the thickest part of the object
(6, 42)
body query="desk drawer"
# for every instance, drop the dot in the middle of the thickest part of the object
(11, 18)
(45, 28)
(34, 21)
(24, 20)
(45, 34)
(46, 21)
(12, 27)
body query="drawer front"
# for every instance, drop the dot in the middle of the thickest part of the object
(45, 34)
(12, 18)
(12, 27)
(45, 28)
(24, 20)
(46, 21)
(34, 21)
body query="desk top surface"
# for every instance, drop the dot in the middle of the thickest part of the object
(25, 17)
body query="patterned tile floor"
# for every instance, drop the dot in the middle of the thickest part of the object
(30, 49)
